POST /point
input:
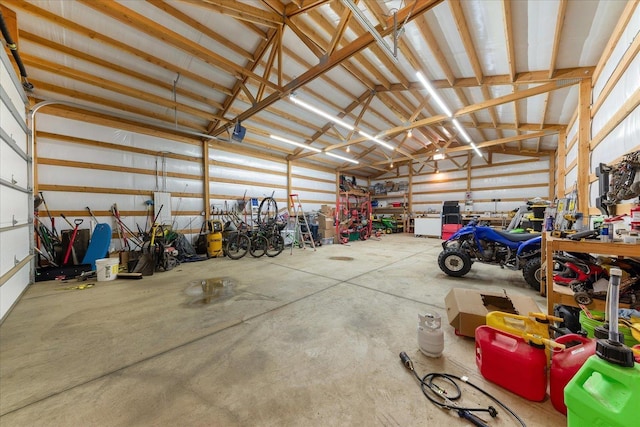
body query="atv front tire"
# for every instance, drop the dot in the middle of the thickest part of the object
(454, 262)
(532, 273)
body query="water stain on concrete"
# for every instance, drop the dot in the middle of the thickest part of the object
(209, 291)
(341, 258)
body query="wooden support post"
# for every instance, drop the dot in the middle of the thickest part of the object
(206, 192)
(562, 164)
(584, 122)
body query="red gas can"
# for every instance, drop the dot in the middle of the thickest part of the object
(509, 361)
(564, 365)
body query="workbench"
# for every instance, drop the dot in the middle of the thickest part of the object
(558, 294)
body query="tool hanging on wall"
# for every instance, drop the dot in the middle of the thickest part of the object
(70, 249)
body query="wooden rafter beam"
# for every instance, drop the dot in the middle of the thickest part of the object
(339, 31)
(112, 86)
(467, 41)
(562, 9)
(302, 6)
(530, 77)
(437, 53)
(24, 35)
(243, 12)
(509, 39)
(204, 29)
(142, 23)
(93, 35)
(333, 60)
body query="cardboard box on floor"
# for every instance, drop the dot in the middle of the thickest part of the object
(467, 308)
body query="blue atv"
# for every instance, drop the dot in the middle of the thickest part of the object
(475, 242)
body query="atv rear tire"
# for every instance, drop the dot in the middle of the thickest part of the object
(532, 273)
(454, 262)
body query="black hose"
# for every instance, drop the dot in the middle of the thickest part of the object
(14, 51)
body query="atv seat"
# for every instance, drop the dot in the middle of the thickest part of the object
(517, 237)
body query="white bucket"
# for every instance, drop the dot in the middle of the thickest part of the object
(107, 269)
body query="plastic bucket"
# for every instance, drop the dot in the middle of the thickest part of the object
(107, 269)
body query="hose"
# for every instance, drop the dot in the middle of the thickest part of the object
(14, 51)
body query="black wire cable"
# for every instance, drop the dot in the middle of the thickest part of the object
(428, 388)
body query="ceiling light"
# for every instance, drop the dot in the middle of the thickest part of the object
(321, 113)
(437, 170)
(346, 159)
(463, 132)
(409, 133)
(373, 138)
(434, 94)
(391, 165)
(297, 144)
(476, 148)
(438, 156)
(357, 13)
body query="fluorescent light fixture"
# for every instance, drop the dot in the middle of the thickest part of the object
(320, 113)
(476, 148)
(357, 13)
(378, 140)
(297, 144)
(434, 94)
(438, 156)
(463, 132)
(346, 159)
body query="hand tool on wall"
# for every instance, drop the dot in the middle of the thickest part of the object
(77, 223)
(54, 232)
(93, 217)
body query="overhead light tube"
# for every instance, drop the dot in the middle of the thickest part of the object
(462, 131)
(320, 113)
(476, 148)
(377, 140)
(337, 156)
(297, 144)
(434, 94)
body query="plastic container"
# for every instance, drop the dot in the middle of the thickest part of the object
(107, 269)
(510, 362)
(430, 335)
(590, 324)
(565, 364)
(603, 394)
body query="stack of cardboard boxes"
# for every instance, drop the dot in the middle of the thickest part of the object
(326, 227)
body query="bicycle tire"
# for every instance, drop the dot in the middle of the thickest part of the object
(267, 211)
(275, 245)
(259, 245)
(237, 246)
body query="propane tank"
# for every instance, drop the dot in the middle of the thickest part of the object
(430, 335)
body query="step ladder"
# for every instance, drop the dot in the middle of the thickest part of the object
(296, 208)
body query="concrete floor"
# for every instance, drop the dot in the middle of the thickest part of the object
(309, 339)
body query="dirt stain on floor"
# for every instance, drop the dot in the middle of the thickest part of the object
(341, 258)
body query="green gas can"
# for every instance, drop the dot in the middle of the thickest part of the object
(603, 394)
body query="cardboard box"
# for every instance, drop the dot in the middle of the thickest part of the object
(328, 233)
(325, 222)
(467, 308)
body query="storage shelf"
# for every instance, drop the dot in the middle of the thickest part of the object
(563, 295)
(388, 196)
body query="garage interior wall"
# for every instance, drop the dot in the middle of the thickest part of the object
(612, 128)
(15, 189)
(82, 164)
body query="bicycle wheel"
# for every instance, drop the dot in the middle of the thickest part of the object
(259, 246)
(275, 245)
(237, 245)
(267, 211)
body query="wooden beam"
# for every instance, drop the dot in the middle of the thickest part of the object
(204, 29)
(629, 56)
(359, 44)
(584, 126)
(621, 26)
(562, 9)
(508, 35)
(467, 41)
(93, 35)
(627, 108)
(142, 23)
(243, 12)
